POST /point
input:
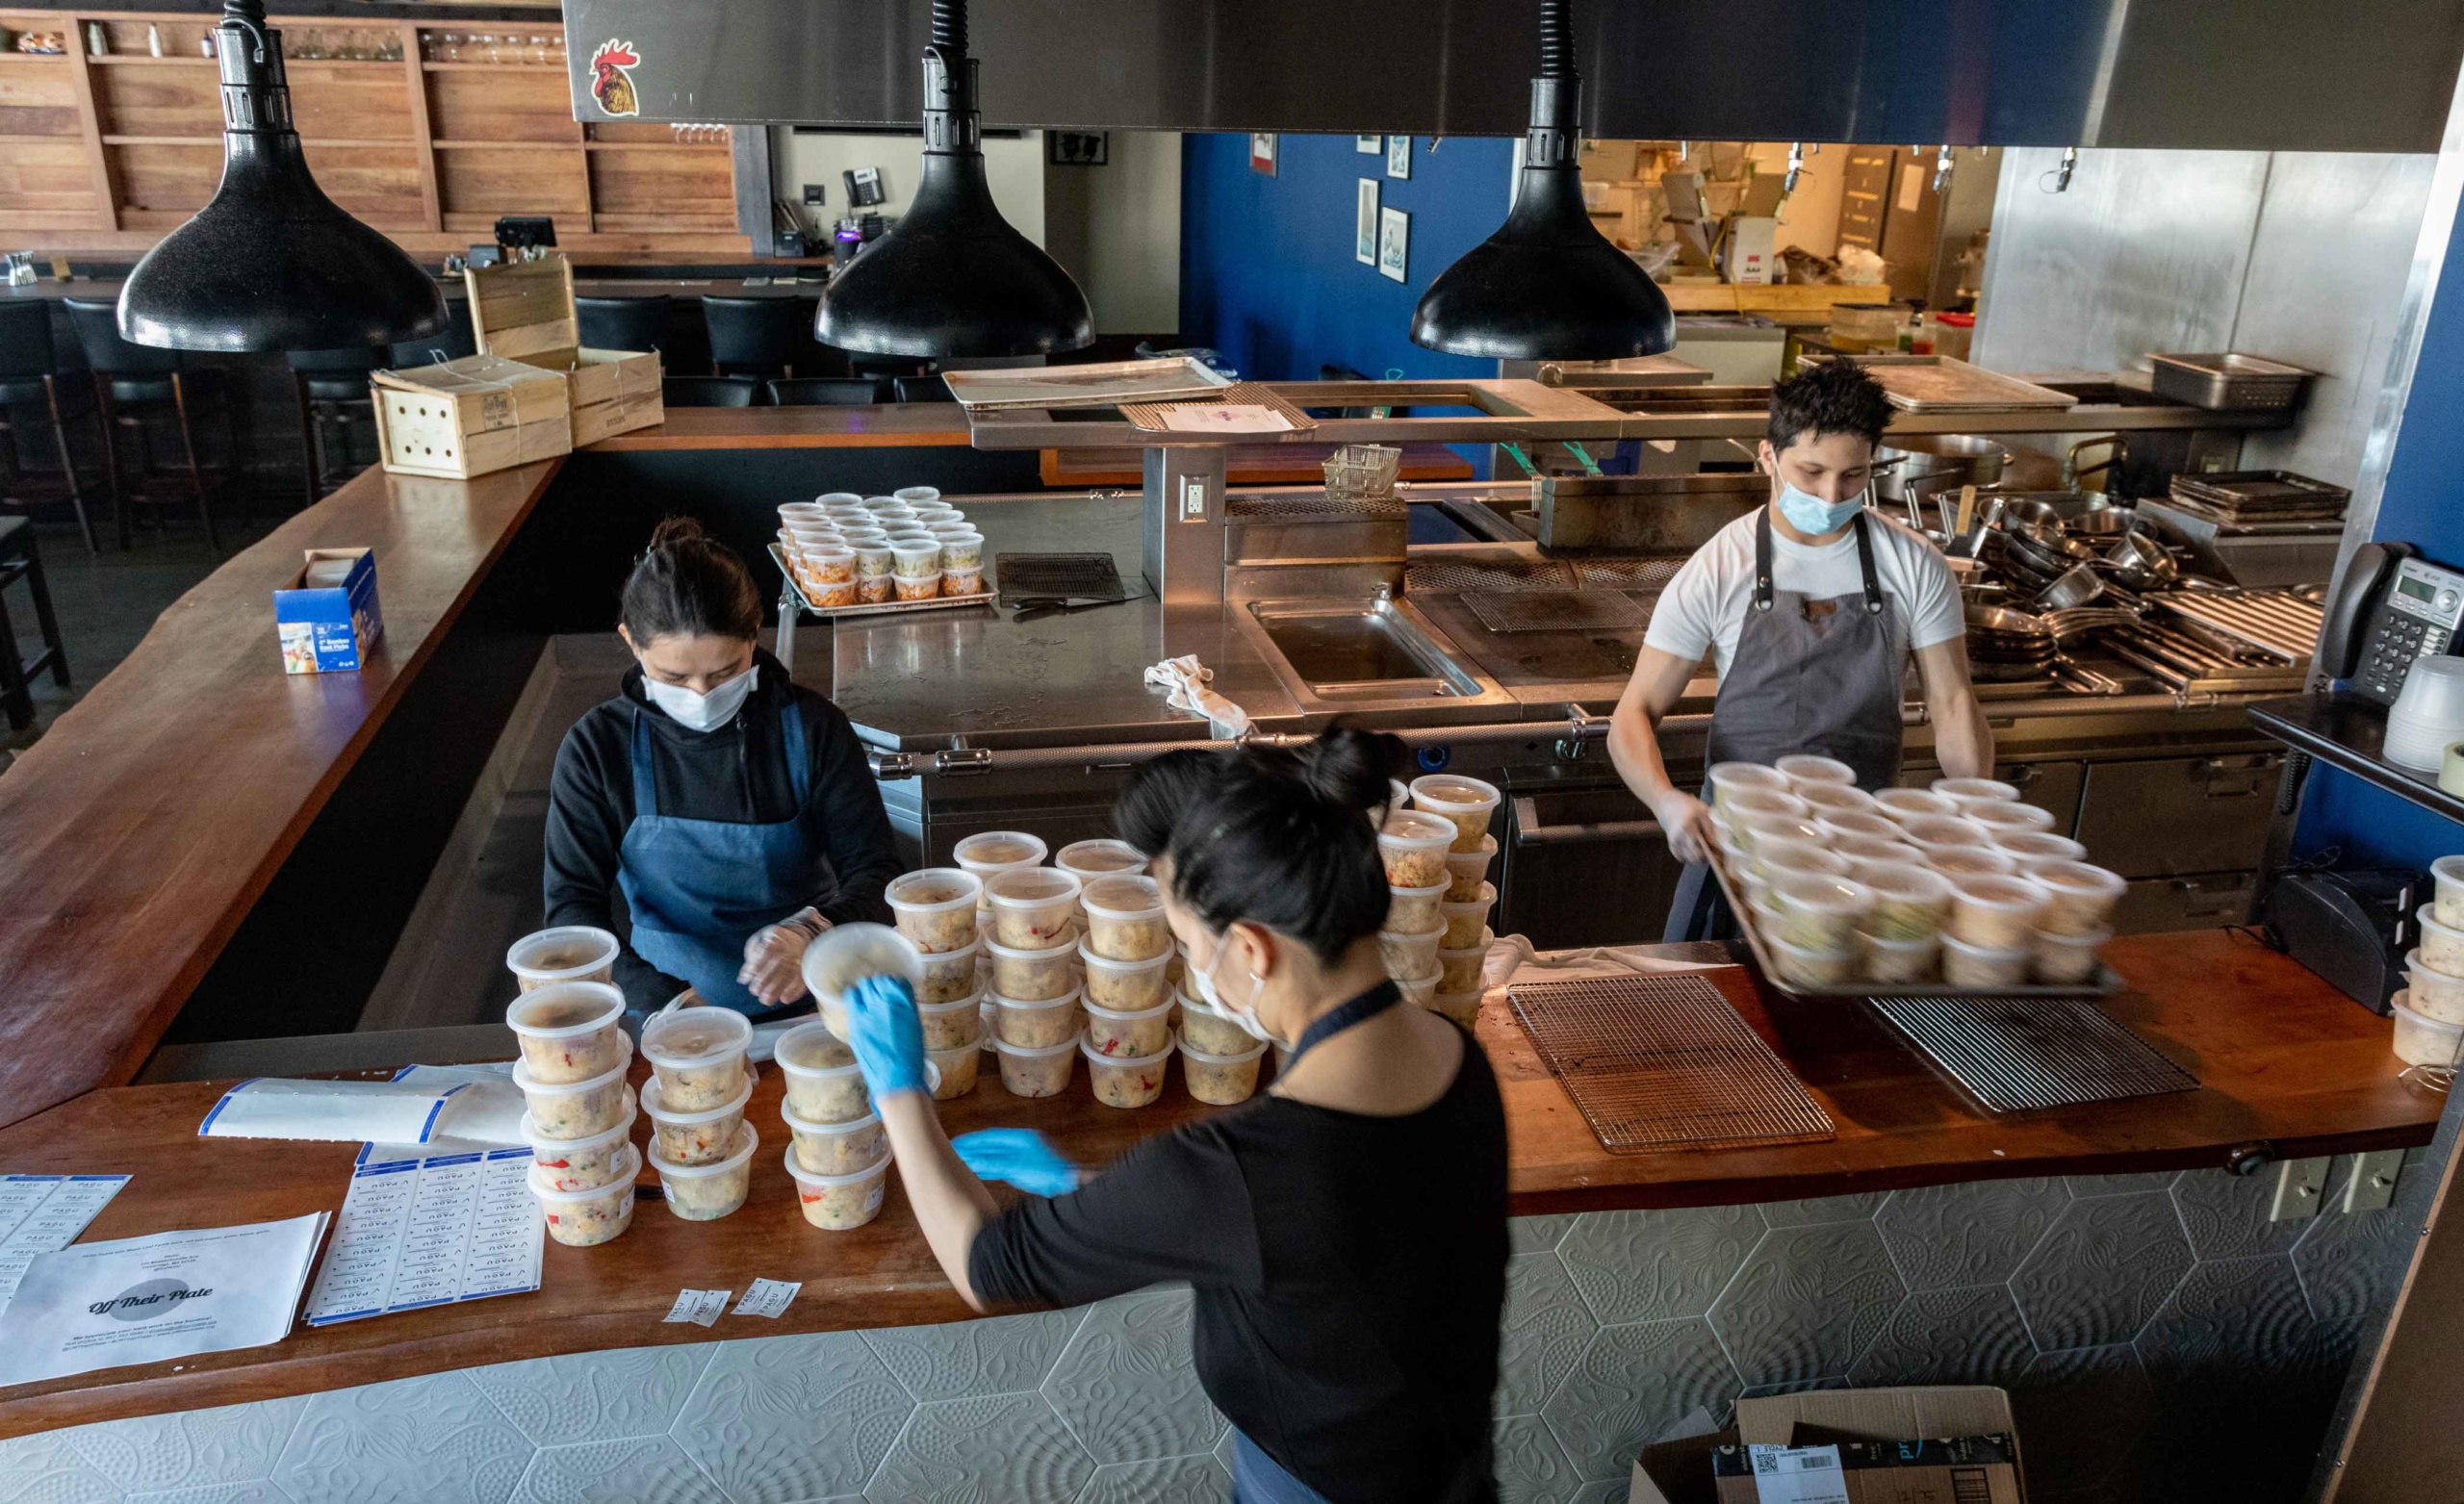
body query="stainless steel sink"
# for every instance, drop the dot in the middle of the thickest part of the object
(1338, 655)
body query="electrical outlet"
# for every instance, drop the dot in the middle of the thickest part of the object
(1193, 499)
(2372, 1186)
(2300, 1186)
(815, 196)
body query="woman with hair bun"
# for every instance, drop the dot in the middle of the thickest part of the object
(731, 807)
(1344, 1233)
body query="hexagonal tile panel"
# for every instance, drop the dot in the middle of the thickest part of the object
(1948, 1337)
(595, 1396)
(999, 1355)
(1535, 1235)
(2230, 1323)
(1126, 1384)
(1807, 1302)
(227, 1444)
(44, 1468)
(256, 1490)
(1603, 1490)
(1950, 1237)
(781, 1418)
(428, 1441)
(2084, 1185)
(1172, 1480)
(2235, 1352)
(2082, 1416)
(1657, 1265)
(2101, 1271)
(1636, 1384)
(642, 1469)
(2349, 1261)
(1010, 1448)
(1545, 1330)
(1531, 1468)
(1820, 1209)
(2226, 1214)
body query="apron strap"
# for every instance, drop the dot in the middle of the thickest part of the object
(1762, 559)
(644, 787)
(799, 759)
(1865, 566)
(1367, 1006)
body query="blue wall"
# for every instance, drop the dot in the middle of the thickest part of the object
(2424, 505)
(1267, 270)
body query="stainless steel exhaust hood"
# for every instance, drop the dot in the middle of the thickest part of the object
(2214, 74)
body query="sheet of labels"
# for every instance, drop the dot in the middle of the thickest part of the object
(429, 1231)
(42, 1213)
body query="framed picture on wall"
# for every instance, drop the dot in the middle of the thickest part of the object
(1364, 225)
(1368, 145)
(1077, 148)
(1394, 244)
(1398, 156)
(1262, 152)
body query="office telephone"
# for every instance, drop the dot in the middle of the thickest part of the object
(2390, 607)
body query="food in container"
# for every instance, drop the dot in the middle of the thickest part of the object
(961, 582)
(1903, 961)
(845, 594)
(1462, 1008)
(1927, 831)
(1466, 802)
(1413, 954)
(1125, 918)
(569, 1030)
(1459, 970)
(1775, 859)
(1037, 1023)
(1036, 1070)
(1998, 815)
(1995, 914)
(1803, 967)
(1212, 1030)
(586, 1217)
(1466, 871)
(1464, 921)
(1127, 1080)
(1128, 1034)
(2435, 994)
(950, 974)
(1863, 848)
(2081, 898)
(577, 1108)
(699, 1054)
(2442, 946)
(961, 551)
(831, 566)
(873, 559)
(1763, 803)
(1126, 984)
(1817, 912)
(1904, 804)
(918, 561)
(2448, 873)
(824, 1085)
(846, 955)
(1414, 844)
(907, 587)
(1087, 860)
(2063, 959)
(693, 1137)
(1420, 991)
(954, 1070)
(1726, 781)
(1031, 976)
(1755, 830)
(1858, 824)
(1224, 1078)
(873, 590)
(1806, 767)
(2029, 847)
(1909, 901)
(935, 908)
(1032, 907)
(1966, 965)
(706, 1192)
(567, 953)
(1968, 861)
(950, 1024)
(1415, 910)
(1826, 800)
(989, 852)
(913, 495)
(1958, 789)
(836, 1202)
(568, 1164)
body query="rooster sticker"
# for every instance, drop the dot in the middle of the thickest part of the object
(611, 78)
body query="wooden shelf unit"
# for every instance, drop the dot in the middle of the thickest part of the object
(107, 152)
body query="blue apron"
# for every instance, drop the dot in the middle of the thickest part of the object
(697, 890)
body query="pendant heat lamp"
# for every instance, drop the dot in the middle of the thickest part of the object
(1547, 285)
(953, 278)
(270, 264)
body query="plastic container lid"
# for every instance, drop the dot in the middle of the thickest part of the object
(1438, 887)
(810, 1049)
(2035, 846)
(1414, 830)
(1116, 1016)
(739, 1150)
(1740, 777)
(955, 886)
(1862, 848)
(1011, 953)
(990, 850)
(536, 1140)
(1488, 895)
(1204, 1058)
(787, 1115)
(2077, 876)
(1973, 788)
(1086, 1048)
(693, 1037)
(1992, 890)
(911, 495)
(805, 1177)
(847, 954)
(1088, 861)
(1039, 1052)
(1808, 768)
(561, 1088)
(1034, 1005)
(1441, 792)
(1822, 895)
(1856, 824)
(1768, 804)
(2007, 815)
(1488, 848)
(1800, 856)
(972, 1001)
(1909, 803)
(839, 498)
(1488, 937)
(559, 995)
(1123, 897)
(1947, 830)
(605, 946)
(2007, 952)
(1966, 861)
(628, 1168)
(1094, 962)
(659, 1114)
(1031, 887)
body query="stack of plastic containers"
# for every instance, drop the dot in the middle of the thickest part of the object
(1031, 938)
(1220, 1059)
(1467, 805)
(702, 1077)
(936, 911)
(1127, 954)
(837, 1153)
(580, 1117)
(1414, 844)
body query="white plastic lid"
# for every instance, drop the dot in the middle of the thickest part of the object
(1204, 1058)
(2449, 868)
(536, 1140)
(604, 1005)
(629, 1166)
(1488, 895)
(1973, 788)
(1992, 890)
(1808, 768)
(1115, 1015)
(1947, 830)
(1780, 828)
(1037, 1052)
(1964, 861)
(1440, 791)
(1091, 860)
(1123, 896)
(2004, 814)
(788, 1115)
(1801, 857)
(1037, 1006)
(910, 495)
(1094, 962)
(2033, 846)
(602, 946)
(1907, 881)
(838, 498)
(933, 890)
(653, 1105)
(693, 1037)
(1906, 802)
(1030, 887)
(2002, 952)
(1866, 848)
(2077, 876)
(565, 1088)
(1087, 1047)
(805, 1177)
(810, 1049)
(988, 851)
(1821, 894)
(847, 954)
(1767, 803)
(1858, 823)
(1063, 951)
(739, 1150)
(1743, 775)
(1414, 830)
(1434, 887)
(1478, 858)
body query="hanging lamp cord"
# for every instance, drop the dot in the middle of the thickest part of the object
(949, 26)
(1556, 38)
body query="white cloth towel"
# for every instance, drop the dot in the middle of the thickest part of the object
(1186, 678)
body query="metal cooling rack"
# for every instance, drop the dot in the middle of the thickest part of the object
(1627, 573)
(1664, 1062)
(1057, 576)
(1554, 610)
(1315, 509)
(2019, 1053)
(1430, 575)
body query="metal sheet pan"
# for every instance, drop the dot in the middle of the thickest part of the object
(1103, 384)
(982, 597)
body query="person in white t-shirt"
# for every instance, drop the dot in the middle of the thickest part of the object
(1808, 609)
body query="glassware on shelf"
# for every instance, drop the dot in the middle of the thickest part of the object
(389, 49)
(450, 45)
(491, 50)
(536, 51)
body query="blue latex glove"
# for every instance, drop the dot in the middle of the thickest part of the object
(886, 1034)
(1020, 1155)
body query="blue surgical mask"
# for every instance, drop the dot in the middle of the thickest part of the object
(702, 712)
(1811, 515)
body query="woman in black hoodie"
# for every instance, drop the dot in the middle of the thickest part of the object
(733, 809)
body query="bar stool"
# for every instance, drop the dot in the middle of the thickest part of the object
(29, 378)
(623, 324)
(824, 392)
(20, 560)
(132, 381)
(331, 388)
(709, 391)
(755, 333)
(923, 389)
(454, 341)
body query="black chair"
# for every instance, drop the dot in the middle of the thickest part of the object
(29, 378)
(923, 389)
(133, 382)
(454, 341)
(709, 391)
(331, 387)
(824, 392)
(20, 560)
(624, 324)
(755, 335)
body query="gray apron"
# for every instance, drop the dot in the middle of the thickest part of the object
(1808, 675)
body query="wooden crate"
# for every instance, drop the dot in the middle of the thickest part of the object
(467, 417)
(524, 310)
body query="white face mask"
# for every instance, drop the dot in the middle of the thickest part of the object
(702, 712)
(1247, 1021)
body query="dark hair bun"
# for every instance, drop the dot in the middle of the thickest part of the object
(1347, 766)
(673, 532)
(690, 583)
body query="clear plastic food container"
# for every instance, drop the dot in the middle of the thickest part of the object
(1824, 801)
(1414, 844)
(1726, 781)
(569, 1030)
(915, 494)
(836, 1202)
(824, 1085)
(949, 976)
(699, 1054)
(577, 1108)
(2435, 994)
(1755, 831)
(1462, 1008)
(1468, 802)
(2448, 872)
(1125, 918)
(1805, 767)
(1415, 910)
(846, 955)
(590, 1215)
(2080, 898)
(947, 1025)
(1930, 832)
(570, 1164)
(1910, 901)
(706, 1192)
(2442, 946)
(567, 953)
(1900, 961)
(1775, 859)
(1087, 860)
(1036, 1070)
(1803, 967)
(1859, 850)
(915, 587)
(1420, 991)
(1127, 984)
(1858, 824)
(1032, 975)
(1459, 970)
(1466, 871)
(1819, 913)
(1998, 815)
(988, 852)
(1221, 1079)
(2030, 847)
(1464, 921)
(697, 1137)
(1410, 954)
(1904, 804)
(1127, 1080)
(962, 552)
(1212, 1032)
(1129, 1035)
(1034, 907)
(1957, 862)
(2423, 1040)
(835, 1148)
(1966, 965)
(1957, 789)
(951, 1073)
(916, 560)
(935, 908)
(2067, 959)
(1036, 1025)
(1762, 804)
(1995, 914)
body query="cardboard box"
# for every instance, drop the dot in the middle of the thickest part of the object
(468, 417)
(329, 628)
(1714, 1470)
(524, 311)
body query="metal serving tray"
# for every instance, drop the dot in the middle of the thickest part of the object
(2228, 381)
(796, 588)
(2104, 982)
